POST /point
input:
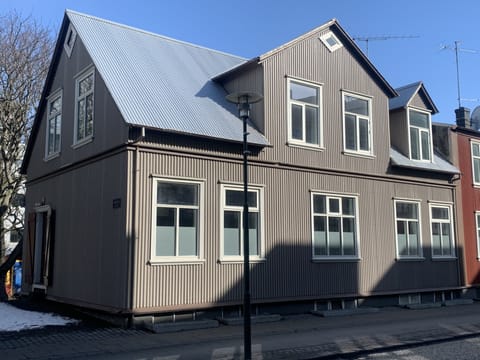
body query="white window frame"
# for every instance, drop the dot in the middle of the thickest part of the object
(340, 214)
(297, 142)
(154, 259)
(82, 76)
(259, 209)
(443, 221)
(358, 151)
(473, 157)
(420, 130)
(70, 40)
(54, 116)
(324, 38)
(419, 256)
(477, 234)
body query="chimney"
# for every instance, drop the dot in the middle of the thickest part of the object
(462, 115)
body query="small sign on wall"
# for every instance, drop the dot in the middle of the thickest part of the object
(117, 203)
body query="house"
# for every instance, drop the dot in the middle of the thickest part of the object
(134, 173)
(460, 143)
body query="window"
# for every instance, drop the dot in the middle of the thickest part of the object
(477, 221)
(232, 222)
(305, 126)
(357, 124)
(407, 218)
(476, 163)
(442, 231)
(84, 107)
(334, 226)
(419, 128)
(54, 125)
(70, 40)
(331, 41)
(177, 219)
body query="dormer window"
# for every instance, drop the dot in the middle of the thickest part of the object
(331, 41)
(420, 135)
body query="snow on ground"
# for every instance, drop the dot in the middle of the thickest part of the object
(14, 319)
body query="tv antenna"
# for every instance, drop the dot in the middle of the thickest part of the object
(367, 39)
(456, 48)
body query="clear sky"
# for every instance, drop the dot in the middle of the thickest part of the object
(252, 27)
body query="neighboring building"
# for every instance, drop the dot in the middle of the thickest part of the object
(461, 144)
(136, 155)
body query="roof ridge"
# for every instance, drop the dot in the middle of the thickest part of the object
(414, 84)
(151, 33)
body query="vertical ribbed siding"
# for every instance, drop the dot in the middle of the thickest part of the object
(288, 271)
(419, 102)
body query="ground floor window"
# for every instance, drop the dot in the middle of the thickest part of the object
(334, 221)
(177, 210)
(407, 218)
(232, 221)
(442, 231)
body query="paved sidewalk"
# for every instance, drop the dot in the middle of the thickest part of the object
(295, 337)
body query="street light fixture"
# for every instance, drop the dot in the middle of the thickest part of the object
(243, 100)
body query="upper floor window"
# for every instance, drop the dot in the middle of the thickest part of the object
(304, 103)
(84, 87)
(420, 135)
(232, 236)
(476, 163)
(477, 228)
(357, 124)
(70, 40)
(334, 226)
(407, 217)
(442, 231)
(177, 211)
(54, 125)
(330, 41)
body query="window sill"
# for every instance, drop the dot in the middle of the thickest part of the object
(82, 142)
(51, 156)
(305, 146)
(335, 259)
(410, 258)
(173, 261)
(358, 154)
(444, 258)
(239, 260)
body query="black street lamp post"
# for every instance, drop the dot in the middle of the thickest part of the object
(243, 101)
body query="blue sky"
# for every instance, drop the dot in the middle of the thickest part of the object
(252, 27)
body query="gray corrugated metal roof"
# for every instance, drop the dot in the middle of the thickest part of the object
(438, 164)
(162, 83)
(405, 94)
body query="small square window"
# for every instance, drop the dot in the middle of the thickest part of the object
(331, 41)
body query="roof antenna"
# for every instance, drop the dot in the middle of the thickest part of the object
(367, 39)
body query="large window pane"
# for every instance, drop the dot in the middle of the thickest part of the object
(235, 198)
(348, 206)
(475, 149)
(406, 210)
(402, 238)
(231, 233)
(476, 170)
(319, 235)
(311, 125)
(348, 236)
(334, 205)
(297, 122)
(440, 213)
(334, 237)
(446, 240)
(187, 232)
(425, 145)
(436, 239)
(413, 245)
(364, 134)
(253, 233)
(177, 193)
(303, 93)
(414, 144)
(165, 241)
(350, 132)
